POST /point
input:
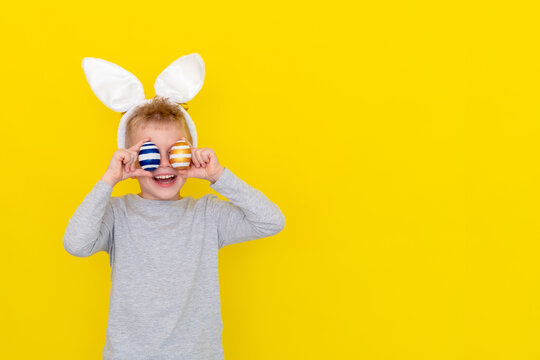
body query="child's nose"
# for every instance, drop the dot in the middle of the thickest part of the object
(164, 160)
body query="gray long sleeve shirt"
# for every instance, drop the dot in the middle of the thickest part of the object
(164, 302)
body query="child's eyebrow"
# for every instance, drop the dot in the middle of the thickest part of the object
(167, 147)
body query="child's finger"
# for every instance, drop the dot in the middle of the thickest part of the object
(122, 155)
(139, 144)
(124, 160)
(206, 157)
(193, 158)
(195, 154)
(203, 159)
(127, 166)
(134, 159)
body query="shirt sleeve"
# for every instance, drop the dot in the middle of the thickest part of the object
(247, 216)
(90, 229)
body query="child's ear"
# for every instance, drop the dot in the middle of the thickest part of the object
(181, 80)
(116, 87)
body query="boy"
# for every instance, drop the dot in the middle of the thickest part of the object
(163, 247)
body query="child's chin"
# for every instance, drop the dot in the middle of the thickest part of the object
(164, 194)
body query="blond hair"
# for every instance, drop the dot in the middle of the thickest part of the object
(161, 112)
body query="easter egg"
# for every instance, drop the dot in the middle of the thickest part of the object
(149, 156)
(180, 155)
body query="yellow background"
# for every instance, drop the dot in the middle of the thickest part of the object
(398, 138)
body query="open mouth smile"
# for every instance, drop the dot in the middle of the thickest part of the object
(165, 180)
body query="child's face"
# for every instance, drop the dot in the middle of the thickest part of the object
(164, 138)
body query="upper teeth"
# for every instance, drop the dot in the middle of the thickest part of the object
(164, 176)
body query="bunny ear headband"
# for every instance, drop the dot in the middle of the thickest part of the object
(121, 91)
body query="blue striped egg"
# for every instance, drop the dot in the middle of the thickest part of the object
(149, 156)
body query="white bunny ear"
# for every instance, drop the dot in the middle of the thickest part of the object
(181, 80)
(116, 87)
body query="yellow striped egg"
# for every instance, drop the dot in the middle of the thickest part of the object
(180, 155)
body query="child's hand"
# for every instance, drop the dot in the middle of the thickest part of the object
(204, 164)
(122, 165)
